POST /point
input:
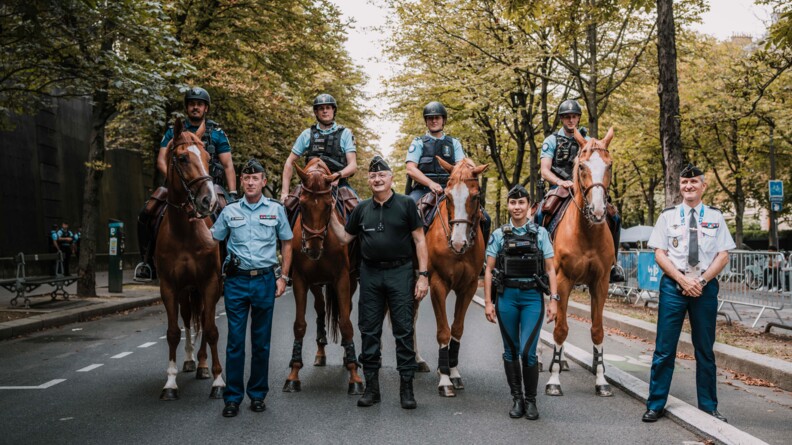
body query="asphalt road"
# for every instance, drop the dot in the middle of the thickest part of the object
(117, 401)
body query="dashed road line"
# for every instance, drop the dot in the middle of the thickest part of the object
(90, 367)
(147, 344)
(49, 384)
(121, 355)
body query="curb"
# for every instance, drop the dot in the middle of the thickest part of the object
(15, 328)
(741, 360)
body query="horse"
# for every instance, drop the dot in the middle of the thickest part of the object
(456, 255)
(584, 254)
(188, 259)
(319, 260)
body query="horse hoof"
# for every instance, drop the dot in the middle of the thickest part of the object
(189, 366)
(292, 386)
(320, 360)
(202, 374)
(355, 389)
(216, 392)
(553, 390)
(564, 365)
(169, 394)
(446, 391)
(603, 390)
(423, 367)
(457, 382)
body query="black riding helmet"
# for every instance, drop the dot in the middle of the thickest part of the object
(569, 107)
(325, 99)
(197, 93)
(435, 109)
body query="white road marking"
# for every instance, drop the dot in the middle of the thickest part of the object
(163, 337)
(49, 384)
(147, 344)
(66, 418)
(222, 313)
(613, 358)
(77, 329)
(121, 355)
(90, 367)
(65, 354)
(478, 300)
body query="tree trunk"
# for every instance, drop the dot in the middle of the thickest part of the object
(667, 90)
(592, 99)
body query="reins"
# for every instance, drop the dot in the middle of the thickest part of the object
(188, 205)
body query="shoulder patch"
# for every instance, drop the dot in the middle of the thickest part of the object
(275, 201)
(667, 209)
(545, 147)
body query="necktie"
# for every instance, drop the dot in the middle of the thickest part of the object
(693, 254)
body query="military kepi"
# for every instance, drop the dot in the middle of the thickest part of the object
(691, 171)
(252, 166)
(378, 164)
(517, 192)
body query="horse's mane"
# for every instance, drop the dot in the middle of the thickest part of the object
(316, 170)
(462, 170)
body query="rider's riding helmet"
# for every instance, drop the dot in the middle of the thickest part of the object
(435, 109)
(197, 93)
(569, 107)
(325, 99)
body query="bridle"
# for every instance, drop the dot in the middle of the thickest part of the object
(188, 205)
(473, 222)
(313, 233)
(586, 210)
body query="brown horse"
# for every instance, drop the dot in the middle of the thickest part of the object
(584, 253)
(321, 261)
(456, 256)
(188, 259)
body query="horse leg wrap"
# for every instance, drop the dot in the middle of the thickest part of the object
(349, 354)
(443, 361)
(556, 358)
(598, 361)
(321, 332)
(296, 354)
(453, 353)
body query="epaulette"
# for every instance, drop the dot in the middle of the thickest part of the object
(667, 209)
(715, 208)
(275, 201)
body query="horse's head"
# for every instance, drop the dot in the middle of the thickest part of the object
(463, 202)
(316, 206)
(592, 175)
(188, 176)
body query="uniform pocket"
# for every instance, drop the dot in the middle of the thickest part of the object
(238, 230)
(709, 238)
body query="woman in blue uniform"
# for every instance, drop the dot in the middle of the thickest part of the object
(519, 255)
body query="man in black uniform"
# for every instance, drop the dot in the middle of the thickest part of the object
(387, 225)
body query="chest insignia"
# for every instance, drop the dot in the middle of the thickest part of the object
(710, 225)
(268, 216)
(675, 242)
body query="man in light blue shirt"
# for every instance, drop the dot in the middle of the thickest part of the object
(253, 225)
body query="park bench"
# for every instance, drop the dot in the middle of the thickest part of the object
(22, 284)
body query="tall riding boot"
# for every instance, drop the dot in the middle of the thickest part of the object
(406, 393)
(514, 377)
(531, 376)
(614, 224)
(372, 393)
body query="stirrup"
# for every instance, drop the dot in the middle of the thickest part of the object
(140, 273)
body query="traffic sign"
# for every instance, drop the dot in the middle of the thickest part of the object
(776, 206)
(776, 188)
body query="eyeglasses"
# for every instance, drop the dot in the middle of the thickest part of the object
(378, 175)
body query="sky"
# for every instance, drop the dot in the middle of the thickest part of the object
(725, 18)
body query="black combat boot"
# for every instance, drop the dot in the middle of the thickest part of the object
(372, 393)
(514, 377)
(531, 376)
(406, 393)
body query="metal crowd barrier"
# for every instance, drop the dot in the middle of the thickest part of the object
(758, 279)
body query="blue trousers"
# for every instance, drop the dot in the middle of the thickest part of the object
(520, 320)
(702, 312)
(243, 296)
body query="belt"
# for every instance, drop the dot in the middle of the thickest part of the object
(387, 264)
(251, 272)
(519, 284)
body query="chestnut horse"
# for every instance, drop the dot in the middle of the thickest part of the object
(456, 256)
(188, 259)
(319, 260)
(584, 254)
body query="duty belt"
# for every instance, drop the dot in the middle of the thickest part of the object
(519, 284)
(386, 264)
(251, 272)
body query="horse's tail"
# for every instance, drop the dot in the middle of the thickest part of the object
(197, 308)
(332, 312)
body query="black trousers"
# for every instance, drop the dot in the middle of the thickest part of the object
(391, 289)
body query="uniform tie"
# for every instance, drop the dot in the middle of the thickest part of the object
(693, 253)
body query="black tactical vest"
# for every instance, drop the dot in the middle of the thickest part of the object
(521, 256)
(327, 147)
(428, 165)
(566, 152)
(216, 170)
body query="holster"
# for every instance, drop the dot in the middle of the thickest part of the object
(292, 204)
(553, 200)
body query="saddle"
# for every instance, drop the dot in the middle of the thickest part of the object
(346, 201)
(555, 205)
(427, 208)
(553, 200)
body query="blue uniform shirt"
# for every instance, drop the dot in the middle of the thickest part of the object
(495, 244)
(415, 151)
(550, 143)
(303, 141)
(255, 230)
(219, 137)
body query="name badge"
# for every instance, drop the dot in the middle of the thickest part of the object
(237, 218)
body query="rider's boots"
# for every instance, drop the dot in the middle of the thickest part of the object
(372, 393)
(514, 378)
(406, 393)
(614, 224)
(531, 377)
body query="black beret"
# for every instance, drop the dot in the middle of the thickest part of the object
(517, 192)
(252, 166)
(378, 164)
(691, 171)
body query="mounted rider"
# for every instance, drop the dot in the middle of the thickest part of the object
(332, 143)
(559, 152)
(424, 173)
(221, 168)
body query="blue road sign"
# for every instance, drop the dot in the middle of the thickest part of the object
(776, 188)
(776, 206)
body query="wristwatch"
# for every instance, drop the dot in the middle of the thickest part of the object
(555, 297)
(703, 281)
(424, 273)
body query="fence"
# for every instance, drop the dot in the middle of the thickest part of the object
(758, 279)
